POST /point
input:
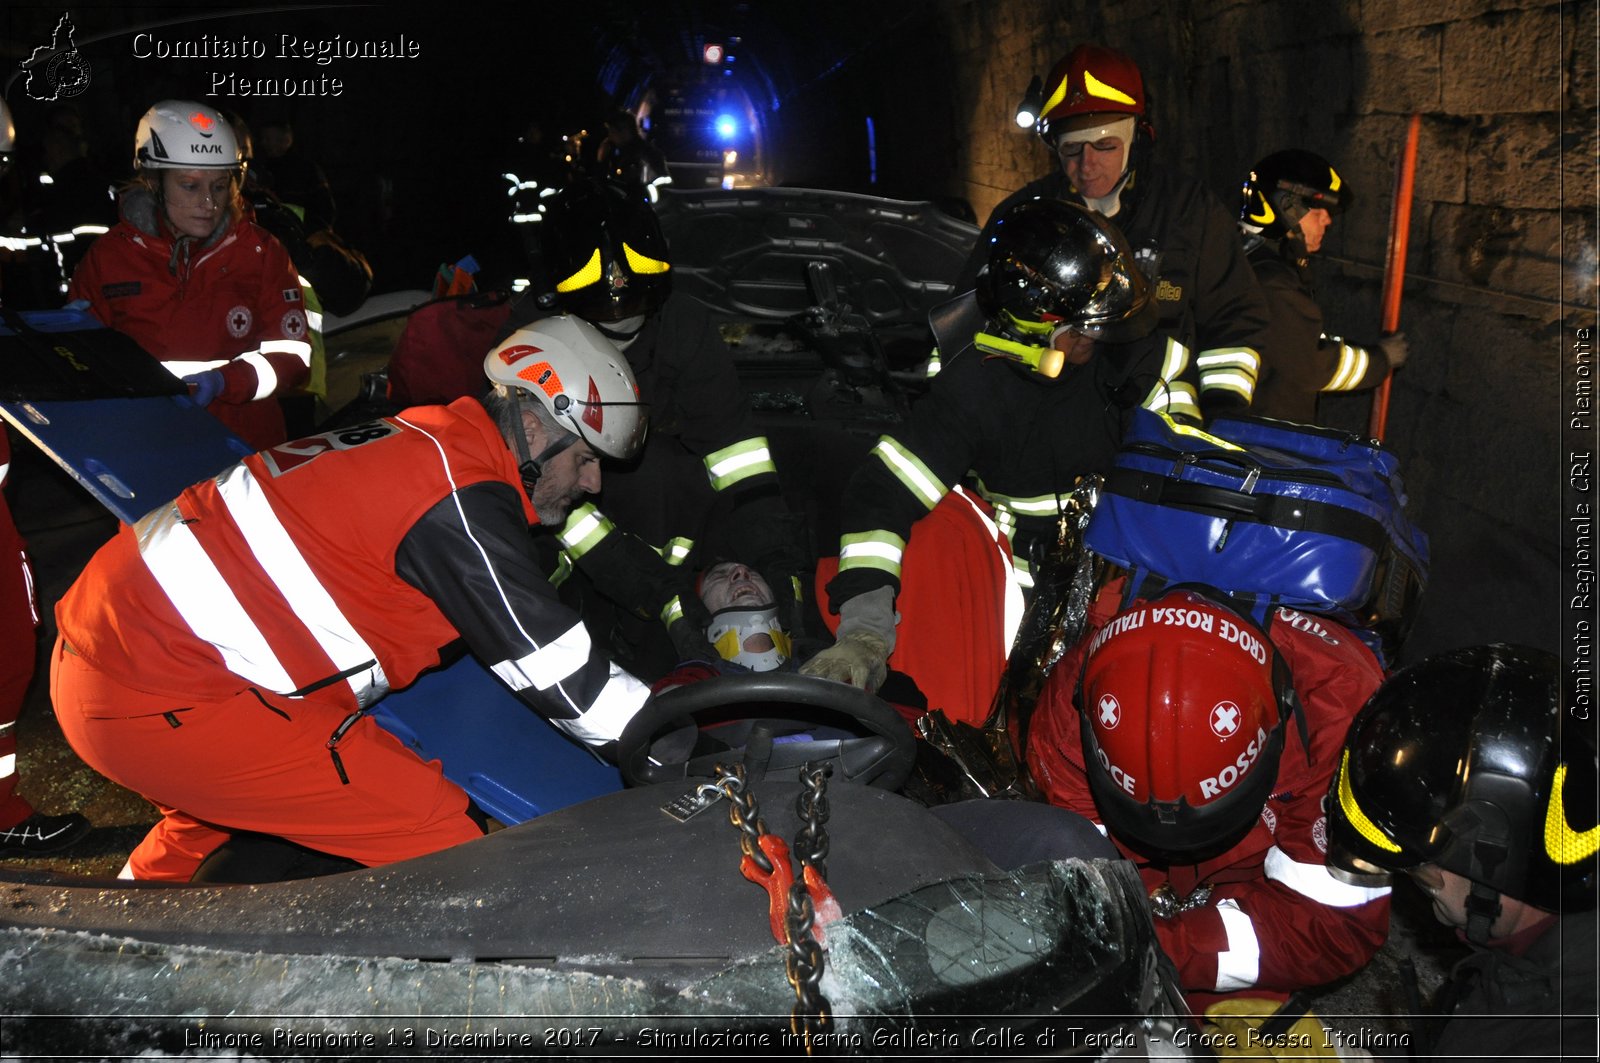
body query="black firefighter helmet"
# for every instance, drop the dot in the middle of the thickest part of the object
(1465, 761)
(1285, 185)
(604, 252)
(1053, 265)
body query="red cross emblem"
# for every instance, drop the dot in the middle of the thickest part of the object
(1225, 719)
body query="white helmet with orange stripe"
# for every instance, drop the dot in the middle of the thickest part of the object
(579, 379)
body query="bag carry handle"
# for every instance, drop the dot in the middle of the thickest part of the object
(1295, 514)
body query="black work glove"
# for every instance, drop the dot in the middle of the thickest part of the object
(687, 628)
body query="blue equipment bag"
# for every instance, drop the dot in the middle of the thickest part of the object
(514, 764)
(1268, 511)
(106, 411)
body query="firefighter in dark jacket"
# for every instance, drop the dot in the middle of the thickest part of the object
(1211, 312)
(1466, 772)
(706, 466)
(1051, 353)
(1289, 202)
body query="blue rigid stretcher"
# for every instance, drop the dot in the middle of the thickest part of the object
(111, 416)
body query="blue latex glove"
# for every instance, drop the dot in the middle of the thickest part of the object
(205, 387)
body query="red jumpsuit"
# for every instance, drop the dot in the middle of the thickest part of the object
(217, 655)
(19, 616)
(232, 302)
(959, 607)
(1276, 920)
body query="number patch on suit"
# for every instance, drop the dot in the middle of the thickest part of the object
(285, 457)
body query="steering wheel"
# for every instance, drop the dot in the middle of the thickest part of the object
(884, 756)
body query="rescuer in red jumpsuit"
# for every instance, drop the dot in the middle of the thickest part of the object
(218, 655)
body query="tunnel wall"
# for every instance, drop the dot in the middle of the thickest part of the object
(1501, 265)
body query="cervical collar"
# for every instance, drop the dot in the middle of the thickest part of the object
(751, 637)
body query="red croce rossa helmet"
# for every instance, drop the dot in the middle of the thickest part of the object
(1182, 704)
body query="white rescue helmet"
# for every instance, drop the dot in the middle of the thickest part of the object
(579, 377)
(184, 135)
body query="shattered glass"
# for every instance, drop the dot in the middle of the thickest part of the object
(1053, 958)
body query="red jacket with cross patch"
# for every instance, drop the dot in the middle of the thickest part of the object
(232, 303)
(1276, 920)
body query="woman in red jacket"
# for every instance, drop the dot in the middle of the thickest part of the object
(208, 292)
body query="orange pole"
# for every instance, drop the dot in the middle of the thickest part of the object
(1394, 274)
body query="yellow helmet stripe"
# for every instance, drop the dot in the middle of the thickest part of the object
(1056, 97)
(1333, 179)
(1352, 811)
(1565, 845)
(1267, 214)
(589, 274)
(644, 263)
(1095, 87)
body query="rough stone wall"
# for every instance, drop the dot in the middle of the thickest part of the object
(1502, 256)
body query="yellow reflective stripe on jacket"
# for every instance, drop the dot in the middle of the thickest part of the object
(1172, 395)
(910, 471)
(585, 529)
(1176, 399)
(1037, 506)
(317, 381)
(879, 550)
(1353, 363)
(934, 364)
(672, 611)
(1232, 369)
(740, 461)
(676, 550)
(1006, 519)
(563, 569)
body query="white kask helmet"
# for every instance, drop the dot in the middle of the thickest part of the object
(184, 135)
(579, 377)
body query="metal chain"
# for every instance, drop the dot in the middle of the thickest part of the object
(811, 843)
(812, 1014)
(743, 813)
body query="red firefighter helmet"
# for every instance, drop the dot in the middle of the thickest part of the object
(1182, 708)
(1090, 80)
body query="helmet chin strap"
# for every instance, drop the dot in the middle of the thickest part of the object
(529, 465)
(1110, 203)
(622, 333)
(533, 468)
(1483, 908)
